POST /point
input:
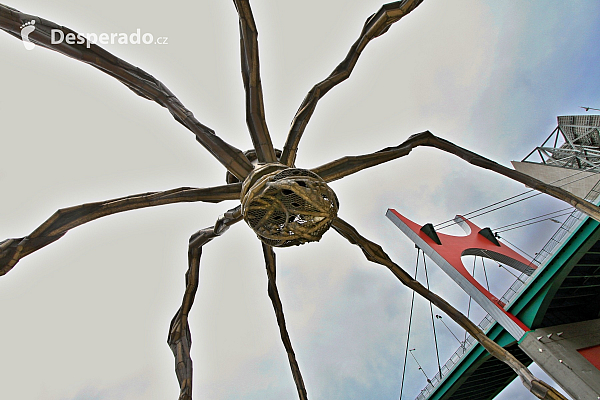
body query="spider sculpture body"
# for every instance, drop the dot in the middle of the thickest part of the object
(283, 204)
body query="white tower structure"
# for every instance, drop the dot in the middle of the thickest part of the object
(569, 157)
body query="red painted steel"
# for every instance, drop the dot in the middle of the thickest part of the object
(592, 354)
(454, 247)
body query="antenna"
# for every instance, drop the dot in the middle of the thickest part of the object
(421, 368)
(462, 344)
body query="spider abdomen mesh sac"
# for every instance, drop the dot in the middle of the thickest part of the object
(292, 207)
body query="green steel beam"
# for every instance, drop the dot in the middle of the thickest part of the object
(469, 363)
(531, 306)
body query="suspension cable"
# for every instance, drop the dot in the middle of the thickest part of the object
(412, 303)
(487, 283)
(534, 222)
(450, 330)
(451, 222)
(488, 206)
(529, 219)
(437, 352)
(494, 209)
(420, 367)
(491, 205)
(510, 272)
(516, 247)
(501, 265)
(470, 298)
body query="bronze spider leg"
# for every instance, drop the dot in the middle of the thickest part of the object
(376, 25)
(142, 83)
(277, 306)
(375, 253)
(179, 338)
(255, 112)
(12, 250)
(348, 165)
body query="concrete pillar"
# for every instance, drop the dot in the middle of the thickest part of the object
(570, 354)
(578, 182)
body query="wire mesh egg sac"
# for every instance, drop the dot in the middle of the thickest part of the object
(289, 207)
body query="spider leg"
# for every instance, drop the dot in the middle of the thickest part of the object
(375, 253)
(180, 339)
(255, 111)
(277, 306)
(376, 25)
(348, 165)
(12, 250)
(142, 83)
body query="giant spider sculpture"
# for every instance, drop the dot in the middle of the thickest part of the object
(283, 204)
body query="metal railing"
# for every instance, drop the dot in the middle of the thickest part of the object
(469, 343)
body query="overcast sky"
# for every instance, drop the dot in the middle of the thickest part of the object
(87, 317)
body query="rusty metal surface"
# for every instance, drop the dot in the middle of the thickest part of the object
(289, 207)
(180, 337)
(255, 111)
(269, 256)
(55, 227)
(376, 25)
(348, 165)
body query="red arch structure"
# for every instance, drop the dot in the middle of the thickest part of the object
(447, 250)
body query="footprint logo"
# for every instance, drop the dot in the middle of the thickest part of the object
(26, 29)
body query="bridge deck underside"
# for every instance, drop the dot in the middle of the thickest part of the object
(578, 297)
(488, 378)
